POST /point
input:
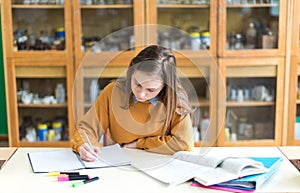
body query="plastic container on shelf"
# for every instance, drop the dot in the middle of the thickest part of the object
(205, 40)
(60, 93)
(42, 132)
(94, 91)
(196, 134)
(57, 127)
(297, 128)
(195, 38)
(251, 36)
(60, 33)
(239, 45)
(227, 134)
(204, 128)
(195, 41)
(242, 125)
(51, 135)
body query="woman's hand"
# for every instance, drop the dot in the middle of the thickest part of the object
(130, 145)
(88, 153)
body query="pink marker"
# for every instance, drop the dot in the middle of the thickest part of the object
(69, 178)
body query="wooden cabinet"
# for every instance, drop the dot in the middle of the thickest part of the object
(105, 41)
(94, 43)
(252, 28)
(191, 19)
(293, 128)
(102, 66)
(251, 94)
(190, 29)
(252, 49)
(38, 56)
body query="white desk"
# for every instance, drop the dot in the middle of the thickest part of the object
(291, 152)
(17, 176)
(5, 154)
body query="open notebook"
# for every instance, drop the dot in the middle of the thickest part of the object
(66, 160)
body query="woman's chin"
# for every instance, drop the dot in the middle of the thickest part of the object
(141, 100)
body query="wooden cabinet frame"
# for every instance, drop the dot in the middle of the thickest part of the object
(144, 13)
(280, 51)
(293, 57)
(14, 59)
(278, 64)
(45, 66)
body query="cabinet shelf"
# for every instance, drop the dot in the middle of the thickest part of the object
(201, 103)
(19, 6)
(44, 144)
(22, 105)
(44, 54)
(252, 5)
(182, 6)
(40, 71)
(251, 71)
(119, 6)
(249, 104)
(239, 143)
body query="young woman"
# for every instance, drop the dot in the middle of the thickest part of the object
(148, 109)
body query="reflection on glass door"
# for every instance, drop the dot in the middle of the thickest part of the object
(252, 24)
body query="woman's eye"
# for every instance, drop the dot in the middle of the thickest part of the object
(151, 90)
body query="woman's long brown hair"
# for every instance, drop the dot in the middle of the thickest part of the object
(158, 60)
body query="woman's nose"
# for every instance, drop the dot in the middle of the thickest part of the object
(141, 94)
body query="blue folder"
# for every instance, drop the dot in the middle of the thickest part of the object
(255, 181)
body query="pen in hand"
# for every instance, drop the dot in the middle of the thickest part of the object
(87, 139)
(90, 149)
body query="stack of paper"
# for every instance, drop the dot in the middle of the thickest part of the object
(249, 183)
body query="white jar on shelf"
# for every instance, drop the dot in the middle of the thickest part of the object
(60, 93)
(204, 130)
(94, 91)
(196, 134)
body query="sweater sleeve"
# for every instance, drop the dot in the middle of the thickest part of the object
(179, 138)
(95, 122)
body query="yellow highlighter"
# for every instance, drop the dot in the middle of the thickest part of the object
(66, 173)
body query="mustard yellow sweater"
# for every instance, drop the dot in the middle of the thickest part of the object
(143, 122)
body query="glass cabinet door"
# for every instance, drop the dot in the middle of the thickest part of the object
(39, 103)
(183, 25)
(253, 102)
(294, 105)
(105, 26)
(200, 83)
(296, 132)
(294, 78)
(252, 27)
(38, 27)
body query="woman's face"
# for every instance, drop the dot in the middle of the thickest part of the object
(145, 86)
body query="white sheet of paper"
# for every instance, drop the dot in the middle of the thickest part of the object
(170, 171)
(59, 160)
(110, 156)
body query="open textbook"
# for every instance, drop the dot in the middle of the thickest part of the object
(66, 159)
(207, 170)
(255, 181)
